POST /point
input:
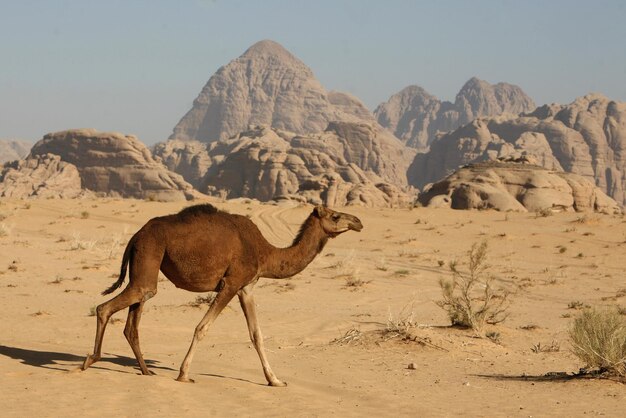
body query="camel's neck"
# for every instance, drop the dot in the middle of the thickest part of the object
(286, 262)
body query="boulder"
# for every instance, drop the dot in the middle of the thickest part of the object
(44, 176)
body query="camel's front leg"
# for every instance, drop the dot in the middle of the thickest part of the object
(249, 310)
(220, 302)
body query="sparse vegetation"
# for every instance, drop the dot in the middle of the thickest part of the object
(5, 230)
(598, 338)
(553, 347)
(401, 272)
(400, 325)
(84, 215)
(203, 300)
(469, 298)
(493, 336)
(80, 244)
(575, 304)
(543, 213)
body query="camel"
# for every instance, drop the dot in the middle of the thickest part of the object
(203, 249)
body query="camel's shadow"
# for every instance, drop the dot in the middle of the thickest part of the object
(65, 361)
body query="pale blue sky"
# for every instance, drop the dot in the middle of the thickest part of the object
(136, 66)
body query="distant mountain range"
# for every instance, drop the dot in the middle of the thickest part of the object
(264, 127)
(416, 117)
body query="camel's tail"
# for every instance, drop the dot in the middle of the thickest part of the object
(125, 260)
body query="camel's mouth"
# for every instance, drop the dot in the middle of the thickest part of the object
(356, 226)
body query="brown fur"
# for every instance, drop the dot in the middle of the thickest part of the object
(204, 249)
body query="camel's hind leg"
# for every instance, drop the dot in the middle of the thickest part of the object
(131, 332)
(144, 272)
(128, 297)
(220, 302)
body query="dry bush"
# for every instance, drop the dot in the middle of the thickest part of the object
(400, 325)
(80, 244)
(470, 298)
(598, 338)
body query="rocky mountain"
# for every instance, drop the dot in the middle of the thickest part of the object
(266, 85)
(348, 163)
(511, 186)
(417, 117)
(12, 149)
(105, 162)
(586, 137)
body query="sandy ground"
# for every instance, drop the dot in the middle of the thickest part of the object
(57, 256)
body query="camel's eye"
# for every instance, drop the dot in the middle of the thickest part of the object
(335, 217)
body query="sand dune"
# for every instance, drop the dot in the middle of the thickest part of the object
(58, 255)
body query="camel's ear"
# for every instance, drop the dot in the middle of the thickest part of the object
(320, 211)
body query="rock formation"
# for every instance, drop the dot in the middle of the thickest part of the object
(265, 86)
(12, 149)
(586, 137)
(416, 117)
(348, 163)
(110, 163)
(508, 186)
(44, 176)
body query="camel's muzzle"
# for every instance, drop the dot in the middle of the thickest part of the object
(356, 224)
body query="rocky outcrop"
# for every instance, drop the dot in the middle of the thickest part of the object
(416, 117)
(44, 176)
(517, 187)
(344, 165)
(265, 86)
(114, 164)
(586, 137)
(12, 149)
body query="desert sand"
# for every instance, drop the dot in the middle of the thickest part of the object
(324, 328)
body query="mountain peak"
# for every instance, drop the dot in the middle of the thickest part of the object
(269, 48)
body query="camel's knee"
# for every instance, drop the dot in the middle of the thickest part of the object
(148, 295)
(102, 312)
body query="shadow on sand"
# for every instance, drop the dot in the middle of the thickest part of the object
(553, 377)
(58, 361)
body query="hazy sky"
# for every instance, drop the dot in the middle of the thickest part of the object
(136, 66)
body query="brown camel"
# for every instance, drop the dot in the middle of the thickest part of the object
(204, 249)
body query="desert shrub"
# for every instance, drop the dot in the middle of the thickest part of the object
(598, 338)
(470, 298)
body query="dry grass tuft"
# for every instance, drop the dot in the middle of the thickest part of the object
(201, 301)
(469, 298)
(553, 347)
(351, 336)
(5, 229)
(598, 338)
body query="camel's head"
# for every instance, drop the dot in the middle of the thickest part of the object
(335, 223)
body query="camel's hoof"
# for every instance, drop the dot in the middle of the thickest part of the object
(278, 384)
(148, 373)
(89, 361)
(185, 379)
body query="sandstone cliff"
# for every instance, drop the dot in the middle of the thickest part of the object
(347, 164)
(417, 117)
(111, 163)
